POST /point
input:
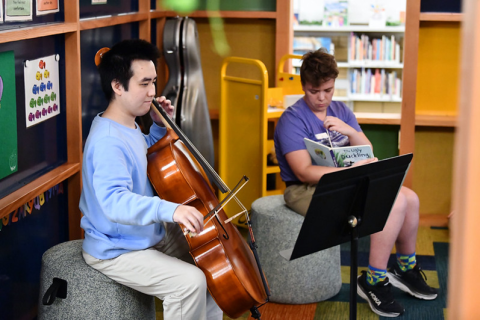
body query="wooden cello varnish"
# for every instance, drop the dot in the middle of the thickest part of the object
(233, 277)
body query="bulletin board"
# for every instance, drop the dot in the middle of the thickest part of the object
(34, 227)
(36, 19)
(41, 147)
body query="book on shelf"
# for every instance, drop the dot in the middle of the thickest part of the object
(335, 13)
(385, 49)
(378, 83)
(302, 45)
(323, 155)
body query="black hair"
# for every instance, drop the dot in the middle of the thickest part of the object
(318, 67)
(116, 63)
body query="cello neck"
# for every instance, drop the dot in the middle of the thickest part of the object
(169, 123)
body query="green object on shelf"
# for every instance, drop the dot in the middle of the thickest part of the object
(393, 23)
(181, 6)
(311, 23)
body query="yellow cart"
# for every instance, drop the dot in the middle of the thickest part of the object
(249, 111)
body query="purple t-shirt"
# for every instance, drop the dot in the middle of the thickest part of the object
(298, 122)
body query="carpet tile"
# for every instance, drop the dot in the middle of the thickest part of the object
(432, 255)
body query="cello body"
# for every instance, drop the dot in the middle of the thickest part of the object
(233, 277)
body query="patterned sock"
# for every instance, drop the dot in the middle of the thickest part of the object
(406, 262)
(375, 275)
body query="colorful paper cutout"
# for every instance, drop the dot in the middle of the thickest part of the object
(42, 89)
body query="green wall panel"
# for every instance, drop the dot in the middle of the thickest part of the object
(384, 139)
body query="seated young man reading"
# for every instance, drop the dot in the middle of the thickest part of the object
(315, 116)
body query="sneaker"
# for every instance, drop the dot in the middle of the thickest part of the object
(379, 297)
(412, 281)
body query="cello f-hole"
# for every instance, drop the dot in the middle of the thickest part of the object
(225, 234)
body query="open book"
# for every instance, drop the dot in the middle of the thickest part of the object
(337, 156)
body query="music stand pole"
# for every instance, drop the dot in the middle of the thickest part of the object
(347, 205)
(352, 221)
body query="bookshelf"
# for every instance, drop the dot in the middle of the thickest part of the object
(441, 16)
(425, 114)
(348, 29)
(357, 68)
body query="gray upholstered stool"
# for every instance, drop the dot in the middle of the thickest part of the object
(309, 279)
(89, 293)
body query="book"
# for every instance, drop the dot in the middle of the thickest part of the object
(335, 13)
(323, 155)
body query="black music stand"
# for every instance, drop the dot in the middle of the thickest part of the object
(349, 204)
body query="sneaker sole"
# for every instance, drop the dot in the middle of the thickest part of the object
(372, 306)
(399, 284)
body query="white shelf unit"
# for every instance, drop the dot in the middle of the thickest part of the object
(351, 28)
(342, 35)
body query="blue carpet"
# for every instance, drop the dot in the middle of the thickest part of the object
(415, 309)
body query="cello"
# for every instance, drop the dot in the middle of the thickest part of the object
(179, 173)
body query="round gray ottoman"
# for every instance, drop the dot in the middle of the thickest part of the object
(88, 294)
(309, 279)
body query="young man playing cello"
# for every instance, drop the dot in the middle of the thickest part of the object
(125, 224)
(317, 117)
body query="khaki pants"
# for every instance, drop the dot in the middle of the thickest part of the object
(298, 197)
(166, 271)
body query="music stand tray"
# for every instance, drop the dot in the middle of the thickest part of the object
(349, 204)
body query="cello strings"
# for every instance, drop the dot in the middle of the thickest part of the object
(230, 196)
(233, 217)
(212, 171)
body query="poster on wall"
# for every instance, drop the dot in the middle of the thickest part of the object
(18, 10)
(42, 89)
(8, 115)
(46, 7)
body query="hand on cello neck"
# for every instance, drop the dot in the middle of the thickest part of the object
(166, 105)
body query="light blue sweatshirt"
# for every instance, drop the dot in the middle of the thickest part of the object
(121, 213)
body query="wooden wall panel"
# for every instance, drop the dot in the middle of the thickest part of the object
(432, 174)
(410, 53)
(463, 281)
(247, 39)
(438, 68)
